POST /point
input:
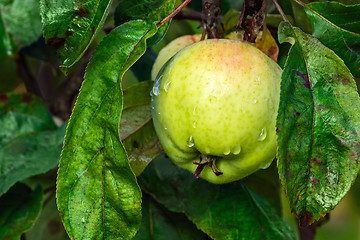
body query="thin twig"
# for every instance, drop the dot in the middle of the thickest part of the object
(50, 189)
(242, 14)
(176, 11)
(281, 11)
(49, 198)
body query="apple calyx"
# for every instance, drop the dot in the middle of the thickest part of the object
(206, 160)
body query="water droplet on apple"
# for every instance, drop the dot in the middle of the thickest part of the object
(254, 101)
(167, 86)
(159, 113)
(165, 129)
(190, 141)
(152, 107)
(194, 124)
(265, 166)
(155, 91)
(262, 135)
(237, 149)
(227, 151)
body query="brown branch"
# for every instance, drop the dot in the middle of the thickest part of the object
(62, 103)
(189, 15)
(252, 18)
(210, 13)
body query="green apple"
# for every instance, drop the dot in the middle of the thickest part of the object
(170, 50)
(214, 107)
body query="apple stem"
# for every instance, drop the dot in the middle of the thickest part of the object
(210, 16)
(206, 160)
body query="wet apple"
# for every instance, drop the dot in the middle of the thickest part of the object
(214, 108)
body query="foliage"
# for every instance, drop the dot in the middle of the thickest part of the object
(113, 181)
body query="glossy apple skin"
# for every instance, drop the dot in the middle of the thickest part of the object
(170, 50)
(218, 97)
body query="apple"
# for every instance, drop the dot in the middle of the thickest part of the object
(214, 107)
(170, 49)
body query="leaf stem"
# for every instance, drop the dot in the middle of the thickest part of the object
(176, 11)
(309, 232)
(281, 11)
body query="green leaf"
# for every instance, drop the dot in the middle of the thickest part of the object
(20, 207)
(21, 20)
(97, 193)
(48, 226)
(266, 184)
(30, 143)
(6, 44)
(149, 10)
(228, 211)
(70, 26)
(338, 27)
(136, 127)
(318, 126)
(160, 224)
